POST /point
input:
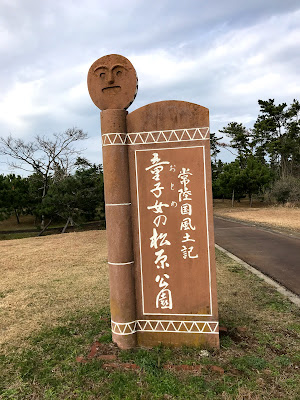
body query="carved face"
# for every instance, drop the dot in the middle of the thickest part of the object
(112, 82)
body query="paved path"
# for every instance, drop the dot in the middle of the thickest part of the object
(274, 254)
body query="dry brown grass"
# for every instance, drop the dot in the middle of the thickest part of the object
(274, 217)
(43, 279)
(270, 323)
(50, 278)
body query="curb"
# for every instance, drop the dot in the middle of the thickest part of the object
(281, 289)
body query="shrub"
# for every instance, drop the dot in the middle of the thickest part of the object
(287, 190)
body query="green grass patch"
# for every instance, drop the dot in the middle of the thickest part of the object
(47, 368)
(249, 363)
(259, 354)
(10, 236)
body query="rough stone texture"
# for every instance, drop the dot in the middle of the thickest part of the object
(94, 349)
(196, 301)
(99, 351)
(126, 366)
(112, 85)
(112, 82)
(223, 330)
(217, 369)
(119, 227)
(81, 359)
(183, 367)
(107, 357)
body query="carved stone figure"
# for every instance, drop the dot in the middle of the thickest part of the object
(112, 82)
(158, 207)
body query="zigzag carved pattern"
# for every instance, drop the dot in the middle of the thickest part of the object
(176, 135)
(128, 328)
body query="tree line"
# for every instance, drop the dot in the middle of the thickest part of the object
(267, 157)
(62, 185)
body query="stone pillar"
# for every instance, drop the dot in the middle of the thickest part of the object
(112, 84)
(118, 226)
(162, 271)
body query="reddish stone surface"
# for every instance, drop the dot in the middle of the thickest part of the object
(187, 262)
(94, 349)
(107, 357)
(111, 366)
(112, 82)
(217, 369)
(223, 330)
(182, 289)
(81, 359)
(190, 276)
(129, 366)
(183, 367)
(126, 366)
(235, 371)
(99, 351)
(119, 227)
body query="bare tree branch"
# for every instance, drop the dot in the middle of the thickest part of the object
(45, 156)
(226, 147)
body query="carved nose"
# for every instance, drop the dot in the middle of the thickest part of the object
(111, 78)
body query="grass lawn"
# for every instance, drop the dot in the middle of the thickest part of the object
(283, 218)
(54, 305)
(12, 230)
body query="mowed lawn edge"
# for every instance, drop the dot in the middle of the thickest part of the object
(280, 218)
(63, 296)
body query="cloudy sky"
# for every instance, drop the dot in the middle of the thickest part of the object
(222, 54)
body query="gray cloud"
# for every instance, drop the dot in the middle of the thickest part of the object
(224, 55)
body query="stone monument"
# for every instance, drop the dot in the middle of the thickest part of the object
(159, 219)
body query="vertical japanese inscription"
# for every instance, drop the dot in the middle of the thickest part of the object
(159, 240)
(173, 232)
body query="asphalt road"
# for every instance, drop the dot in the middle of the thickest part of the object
(274, 254)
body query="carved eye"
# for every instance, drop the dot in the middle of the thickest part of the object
(119, 73)
(102, 75)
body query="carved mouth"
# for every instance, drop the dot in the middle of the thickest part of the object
(112, 89)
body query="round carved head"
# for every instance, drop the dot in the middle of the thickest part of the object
(112, 82)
